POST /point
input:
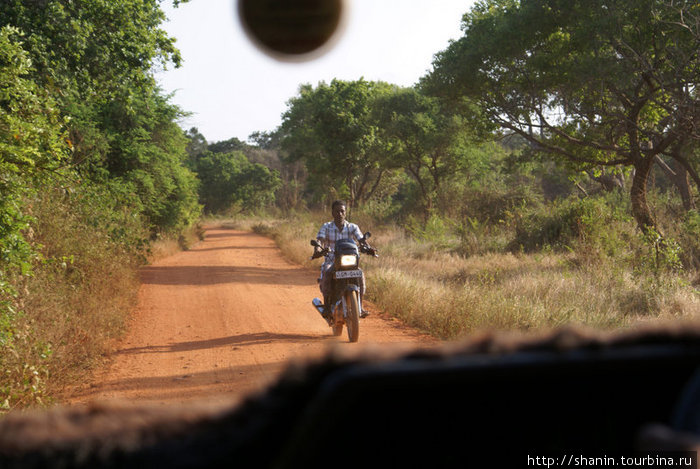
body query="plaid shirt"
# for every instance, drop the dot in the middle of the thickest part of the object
(329, 234)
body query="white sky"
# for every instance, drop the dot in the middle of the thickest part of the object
(232, 89)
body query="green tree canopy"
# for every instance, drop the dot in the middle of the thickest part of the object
(426, 138)
(32, 146)
(332, 129)
(95, 58)
(597, 83)
(95, 50)
(228, 179)
(32, 131)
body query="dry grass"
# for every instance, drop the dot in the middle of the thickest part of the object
(72, 306)
(75, 304)
(167, 246)
(451, 296)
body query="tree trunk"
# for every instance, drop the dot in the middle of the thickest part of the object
(351, 188)
(682, 172)
(682, 183)
(691, 171)
(376, 184)
(424, 192)
(638, 194)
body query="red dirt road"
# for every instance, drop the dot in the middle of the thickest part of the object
(222, 320)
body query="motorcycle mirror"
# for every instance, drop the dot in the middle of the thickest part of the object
(314, 243)
(367, 235)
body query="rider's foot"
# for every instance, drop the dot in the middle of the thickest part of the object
(327, 316)
(364, 313)
(326, 313)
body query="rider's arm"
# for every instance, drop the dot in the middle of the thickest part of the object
(322, 235)
(357, 234)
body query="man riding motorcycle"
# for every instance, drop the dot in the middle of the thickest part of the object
(329, 233)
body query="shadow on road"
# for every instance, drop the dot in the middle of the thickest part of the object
(197, 384)
(226, 233)
(229, 248)
(214, 275)
(242, 340)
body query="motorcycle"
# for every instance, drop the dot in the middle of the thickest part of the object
(345, 298)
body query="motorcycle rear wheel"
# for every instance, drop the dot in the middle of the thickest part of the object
(353, 317)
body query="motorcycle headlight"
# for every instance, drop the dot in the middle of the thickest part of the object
(348, 261)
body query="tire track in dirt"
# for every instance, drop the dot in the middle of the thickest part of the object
(222, 320)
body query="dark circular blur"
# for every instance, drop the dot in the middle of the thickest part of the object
(290, 29)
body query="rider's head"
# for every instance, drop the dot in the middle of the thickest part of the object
(338, 209)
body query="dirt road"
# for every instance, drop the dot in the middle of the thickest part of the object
(222, 320)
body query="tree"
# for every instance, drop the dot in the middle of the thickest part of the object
(331, 128)
(32, 132)
(228, 146)
(148, 152)
(265, 140)
(33, 145)
(292, 173)
(196, 146)
(427, 139)
(90, 156)
(597, 83)
(94, 50)
(229, 178)
(96, 59)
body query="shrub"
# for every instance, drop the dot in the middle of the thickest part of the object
(81, 286)
(598, 225)
(437, 232)
(687, 234)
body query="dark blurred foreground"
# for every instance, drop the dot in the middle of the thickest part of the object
(493, 401)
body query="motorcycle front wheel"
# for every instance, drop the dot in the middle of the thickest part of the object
(337, 326)
(353, 318)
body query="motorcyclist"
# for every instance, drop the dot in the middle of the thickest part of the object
(329, 233)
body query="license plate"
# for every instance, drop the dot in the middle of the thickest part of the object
(348, 274)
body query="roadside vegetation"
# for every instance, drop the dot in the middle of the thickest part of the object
(544, 172)
(450, 280)
(92, 172)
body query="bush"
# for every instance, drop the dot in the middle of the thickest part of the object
(69, 249)
(597, 225)
(437, 232)
(687, 234)
(81, 286)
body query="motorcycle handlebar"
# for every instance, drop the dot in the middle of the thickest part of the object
(365, 248)
(318, 250)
